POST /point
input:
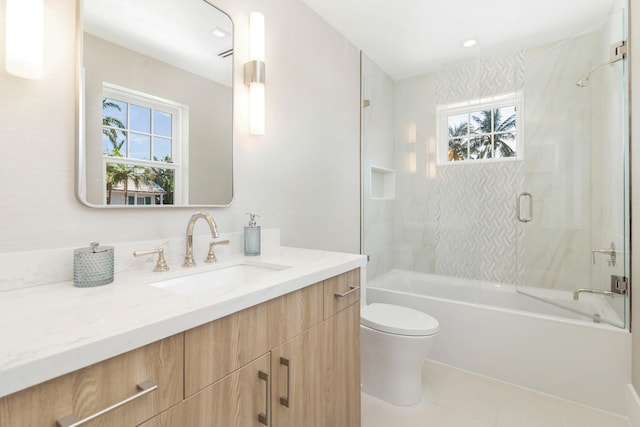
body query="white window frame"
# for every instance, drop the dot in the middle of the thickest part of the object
(481, 104)
(179, 137)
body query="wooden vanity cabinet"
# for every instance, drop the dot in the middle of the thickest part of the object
(241, 399)
(292, 361)
(218, 348)
(316, 375)
(313, 339)
(96, 387)
(341, 291)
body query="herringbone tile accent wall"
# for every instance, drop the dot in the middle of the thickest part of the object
(476, 229)
(480, 78)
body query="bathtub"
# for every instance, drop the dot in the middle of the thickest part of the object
(492, 330)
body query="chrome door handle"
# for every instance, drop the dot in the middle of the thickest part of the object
(263, 417)
(284, 401)
(71, 420)
(529, 217)
(351, 290)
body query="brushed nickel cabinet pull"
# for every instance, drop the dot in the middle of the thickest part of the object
(263, 417)
(351, 290)
(71, 420)
(284, 401)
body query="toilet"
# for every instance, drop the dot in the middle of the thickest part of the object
(394, 343)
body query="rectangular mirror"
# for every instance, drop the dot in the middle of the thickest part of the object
(156, 101)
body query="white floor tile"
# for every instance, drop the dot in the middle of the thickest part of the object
(456, 398)
(575, 415)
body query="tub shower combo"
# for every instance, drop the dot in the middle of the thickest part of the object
(515, 238)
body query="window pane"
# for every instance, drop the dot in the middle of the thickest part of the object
(114, 113)
(162, 150)
(458, 124)
(505, 144)
(481, 122)
(458, 149)
(480, 147)
(114, 142)
(162, 123)
(505, 118)
(163, 182)
(140, 119)
(140, 146)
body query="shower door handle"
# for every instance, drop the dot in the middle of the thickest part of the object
(529, 216)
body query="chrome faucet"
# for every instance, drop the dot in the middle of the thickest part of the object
(577, 292)
(188, 258)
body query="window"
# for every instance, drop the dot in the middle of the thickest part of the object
(142, 147)
(480, 130)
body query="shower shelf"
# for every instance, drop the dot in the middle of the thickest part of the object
(383, 183)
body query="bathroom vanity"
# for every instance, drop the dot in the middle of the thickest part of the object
(283, 351)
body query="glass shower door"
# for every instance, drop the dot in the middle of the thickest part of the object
(573, 211)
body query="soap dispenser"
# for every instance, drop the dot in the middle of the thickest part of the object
(252, 237)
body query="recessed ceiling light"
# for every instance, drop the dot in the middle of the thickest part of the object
(219, 33)
(469, 43)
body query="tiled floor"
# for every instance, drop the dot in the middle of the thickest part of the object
(456, 398)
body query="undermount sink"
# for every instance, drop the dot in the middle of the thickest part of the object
(221, 279)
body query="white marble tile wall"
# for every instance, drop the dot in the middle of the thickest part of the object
(567, 168)
(415, 149)
(377, 140)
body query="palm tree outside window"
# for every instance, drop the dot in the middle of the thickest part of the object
(139, 144)
(480, 130)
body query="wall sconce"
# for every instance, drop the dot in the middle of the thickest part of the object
(254, 74)
(24, 38)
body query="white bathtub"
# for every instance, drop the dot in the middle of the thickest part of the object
(492, 330)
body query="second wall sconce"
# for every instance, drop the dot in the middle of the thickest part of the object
(254, 74)
(24, 38)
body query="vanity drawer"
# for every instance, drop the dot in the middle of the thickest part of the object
(341, 291)
(218, 348)
(90, 390)
(240, 399)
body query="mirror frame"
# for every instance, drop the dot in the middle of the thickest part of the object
(80, 186)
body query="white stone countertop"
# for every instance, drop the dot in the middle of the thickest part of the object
(50, 330)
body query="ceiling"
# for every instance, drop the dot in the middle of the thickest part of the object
(412, 37)
(175, 32)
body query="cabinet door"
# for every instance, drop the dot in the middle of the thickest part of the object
(341, 291)
(240, 399)
(342, 392)
(96, 387)
(220, 347)
(316, 375)
(299, 372)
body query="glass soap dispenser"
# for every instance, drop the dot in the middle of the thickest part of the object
(252, 237)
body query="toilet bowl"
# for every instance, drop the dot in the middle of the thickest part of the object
(394, 343)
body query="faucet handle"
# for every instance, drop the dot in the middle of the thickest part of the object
(161, 265)
(211, 256)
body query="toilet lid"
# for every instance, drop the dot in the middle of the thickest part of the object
(395, 319)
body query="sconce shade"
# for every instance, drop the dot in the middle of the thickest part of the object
(256, 108)
(254, 74)
(24, 38)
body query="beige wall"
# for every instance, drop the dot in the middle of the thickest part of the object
(302, 176)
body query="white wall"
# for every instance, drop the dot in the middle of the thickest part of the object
(302, 176)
